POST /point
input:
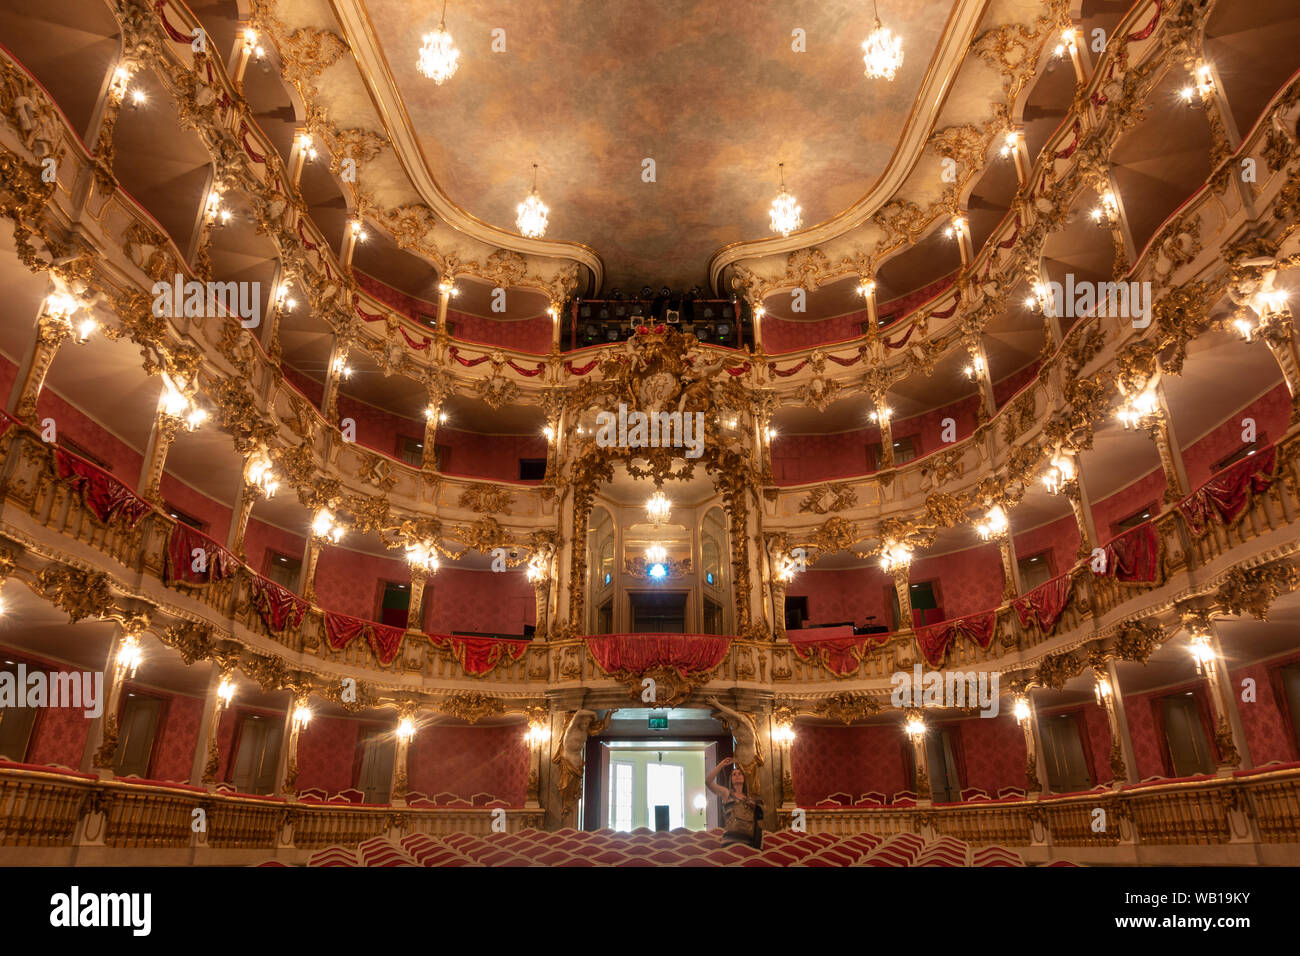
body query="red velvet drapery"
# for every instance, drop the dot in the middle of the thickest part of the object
(936, 639)
(479, 655)
(278, 607)
(1134, 557)
(839, 655)
(218, 563)
(638, 653)
(1224, 498)
(1045, 603)
(104, 495)
(341, 630)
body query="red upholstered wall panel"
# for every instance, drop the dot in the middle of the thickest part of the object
(1060, 538)
(488, 456)
(1267, 722)
(852, 760)
(326, 752)
(1148, 490)
(1148, 744)
(928, 428)
(789, 335)
(849, 595)
(122, 460)
(458, 599)
(8, 374)
(173, 749)
(524, 335)
(59, 737)
(969, 581)
(378, 429)
(470, 760)
(312, 389)
(215, 516)
(1099, 738)
(800, 458)
(261, 537)
(1005, 389)
(348, 581)
(995, 752)
(1272, 413)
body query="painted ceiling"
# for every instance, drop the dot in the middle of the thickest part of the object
(712, 92)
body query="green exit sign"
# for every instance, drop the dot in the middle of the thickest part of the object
(658, 723)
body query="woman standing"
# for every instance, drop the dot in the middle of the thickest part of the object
(741, 815)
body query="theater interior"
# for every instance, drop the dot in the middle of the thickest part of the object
(951, 520)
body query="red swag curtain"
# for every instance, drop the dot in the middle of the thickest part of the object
(936, 639)
(638, 653)
(1224, 498)
(839, 655)
(341, 630)
(275, 605)
(103, 494)
(1045, 603)
(182, 544)
(479, 655)
(1135, 555)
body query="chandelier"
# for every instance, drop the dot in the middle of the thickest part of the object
(438, 56)
(531, 213)
(785, 217)
(994, 525)
(658, 508)
(882, 51)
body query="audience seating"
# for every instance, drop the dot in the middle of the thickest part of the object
(643, 848)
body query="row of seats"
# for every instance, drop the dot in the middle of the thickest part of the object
(907, 798)
(644, 848)
(413, 799)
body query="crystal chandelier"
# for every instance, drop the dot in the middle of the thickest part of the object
(438, 56)
(658, 508)
(882, 51)
(785, 217)
(531, 213)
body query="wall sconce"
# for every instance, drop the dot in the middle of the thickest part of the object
(358, 229)
(1059, 473)
(1139, 410)
(324, 528)
(882, 415)
(422, 556)
(405, 730)
(1020, 709)
(261, 476)
(537, 569)
(1102, 689)
(1069, 41)
(283, 299)
(975, 369)
(956, 229)
(867, 288)
(1202, 651)
(538, 733)
(1267, 306)
(549, 432)
(895, 556)
(129, 657)
(1201, 87)
(301, 716)
(251, 44)
(1106, 212)
(783, 734)
(914, 727)
(175, 404)
(1011, 143)
(118, 86)
(994, 525)
(769, 433)
(341, 367)
(225, 691)
(306, 147)
(214, 212)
